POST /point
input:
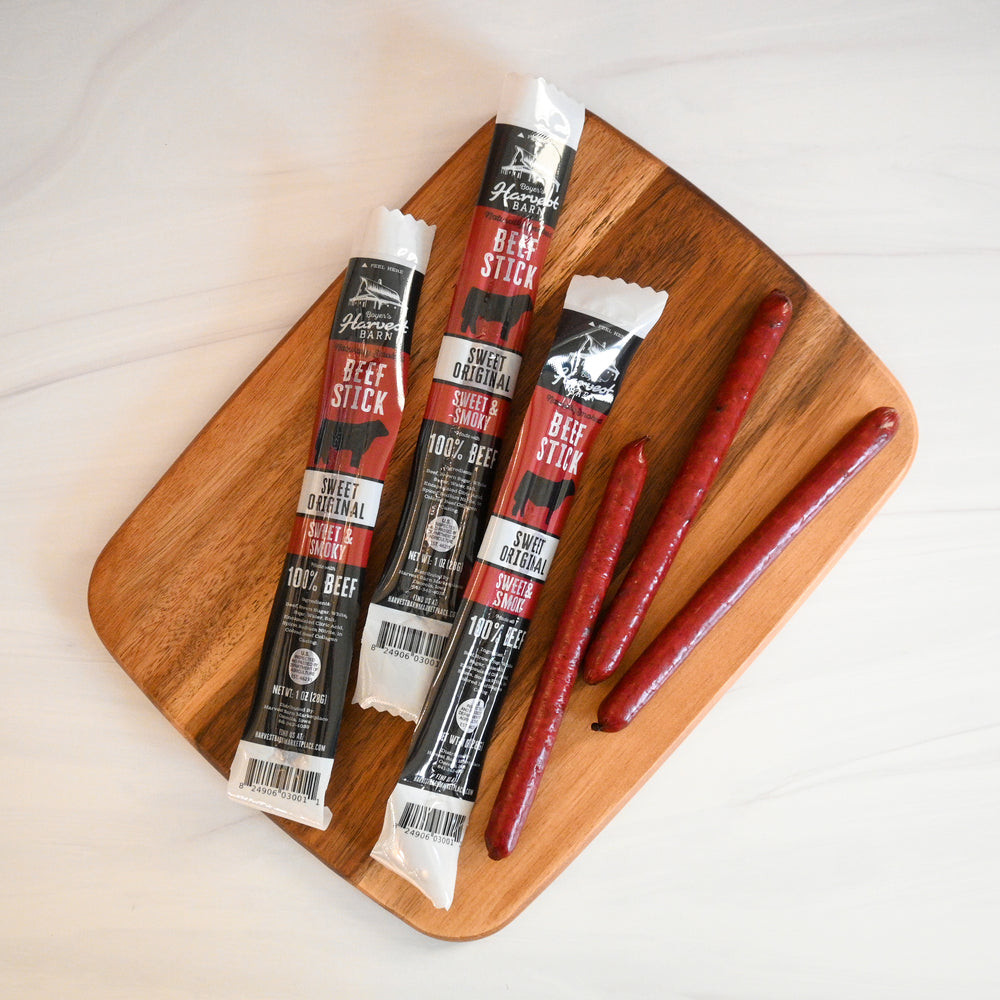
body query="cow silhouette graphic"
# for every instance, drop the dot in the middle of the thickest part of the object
(541, 492)
(335, 437)
(492, 307)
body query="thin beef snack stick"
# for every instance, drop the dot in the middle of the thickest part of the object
(603, 323)
(284, 760)
(744, 567)
(454, 465)
(562, 665)
(687, 494)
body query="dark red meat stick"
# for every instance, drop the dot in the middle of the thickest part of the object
(744, 567)
(686, 496)
(548, 704)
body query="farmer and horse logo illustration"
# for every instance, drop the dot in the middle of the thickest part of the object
(537, 165)
(587, 369)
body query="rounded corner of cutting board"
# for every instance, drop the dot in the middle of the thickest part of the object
(681, 225)
(101, 588)
(907, 438)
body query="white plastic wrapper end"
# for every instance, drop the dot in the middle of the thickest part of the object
(388, 684)
(390, 234)
(282, 783)
(616, 301)
(421, 838)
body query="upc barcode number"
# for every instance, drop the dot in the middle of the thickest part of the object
(283, 778)
(392, 635)
(437, 823)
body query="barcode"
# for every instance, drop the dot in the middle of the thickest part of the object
(417, 818)
(392, 635)
(283, 777)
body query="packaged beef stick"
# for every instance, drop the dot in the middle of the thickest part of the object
(284, 760)
(524, 186)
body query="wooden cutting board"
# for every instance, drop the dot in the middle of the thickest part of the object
(181, 593)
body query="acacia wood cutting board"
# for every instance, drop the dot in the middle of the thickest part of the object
(181, 593)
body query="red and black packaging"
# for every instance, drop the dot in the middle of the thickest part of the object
(285, 755)
(454, 465)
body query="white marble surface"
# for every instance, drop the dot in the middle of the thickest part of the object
(179, 181)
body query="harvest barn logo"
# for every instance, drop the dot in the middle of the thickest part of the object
(374, 312)
(586, 368)
(526, 181)
(537, 165)
(374, 294)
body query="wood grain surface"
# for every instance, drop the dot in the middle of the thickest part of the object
(180, 595)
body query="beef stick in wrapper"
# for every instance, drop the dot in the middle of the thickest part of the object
(284, 760)
(603, 322)
(523, 189)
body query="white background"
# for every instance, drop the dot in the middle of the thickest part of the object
(180, 181)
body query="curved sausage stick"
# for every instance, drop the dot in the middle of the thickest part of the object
(548, 704)
(686, 496)
(744, 566)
